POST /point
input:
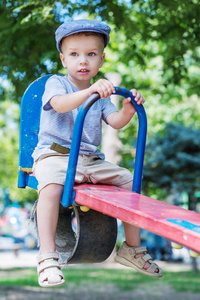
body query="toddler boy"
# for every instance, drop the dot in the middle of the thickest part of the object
(81, 45)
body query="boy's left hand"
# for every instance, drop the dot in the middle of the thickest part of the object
(119, 119)
(138, 98)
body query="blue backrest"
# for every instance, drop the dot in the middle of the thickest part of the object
(29, 123)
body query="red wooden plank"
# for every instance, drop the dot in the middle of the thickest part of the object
(141, 211)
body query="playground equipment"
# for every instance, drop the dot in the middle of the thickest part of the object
(97, 228)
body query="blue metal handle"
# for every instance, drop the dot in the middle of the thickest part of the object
(68, 193)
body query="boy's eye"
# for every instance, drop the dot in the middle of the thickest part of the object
(91, 54)
(73, 54)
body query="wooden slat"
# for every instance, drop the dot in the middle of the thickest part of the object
(170, 221)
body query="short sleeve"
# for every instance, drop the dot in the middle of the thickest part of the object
(107, 108)
(54, 86)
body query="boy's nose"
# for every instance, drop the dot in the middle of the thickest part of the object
(83, 59)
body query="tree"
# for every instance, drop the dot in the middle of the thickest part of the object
(145, 30)
(173, 161)
(27, 40)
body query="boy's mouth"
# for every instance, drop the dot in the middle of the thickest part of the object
(83, 71)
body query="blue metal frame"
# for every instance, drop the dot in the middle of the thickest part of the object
(29, 128)
(68, 193)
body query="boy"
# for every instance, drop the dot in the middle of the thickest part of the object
(81, 44)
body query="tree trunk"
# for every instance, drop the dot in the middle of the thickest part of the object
(110, 141)
(194, 265)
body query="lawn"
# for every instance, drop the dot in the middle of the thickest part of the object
(123, 279)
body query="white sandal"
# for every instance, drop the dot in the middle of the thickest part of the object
(49, 272)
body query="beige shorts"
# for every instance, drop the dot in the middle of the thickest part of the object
(90, 169)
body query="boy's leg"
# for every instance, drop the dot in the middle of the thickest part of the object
(47, 217)
(132, 236)
(132, 233)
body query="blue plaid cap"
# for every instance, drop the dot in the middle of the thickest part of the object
(83, 25)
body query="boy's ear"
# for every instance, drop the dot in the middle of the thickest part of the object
(102, 59)
(62, 58)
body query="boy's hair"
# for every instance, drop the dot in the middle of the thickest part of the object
(87, 33)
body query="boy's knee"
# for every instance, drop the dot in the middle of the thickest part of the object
(127, 186)
(53, 191)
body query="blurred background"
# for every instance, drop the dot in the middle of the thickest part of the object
(155, 48)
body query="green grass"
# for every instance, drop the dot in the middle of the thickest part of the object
(123, 279)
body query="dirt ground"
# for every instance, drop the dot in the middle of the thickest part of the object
(94, 292)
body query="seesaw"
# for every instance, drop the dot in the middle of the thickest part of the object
(97, 229)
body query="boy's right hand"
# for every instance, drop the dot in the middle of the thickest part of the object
(104, 87)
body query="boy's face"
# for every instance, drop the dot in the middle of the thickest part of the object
(82, 56)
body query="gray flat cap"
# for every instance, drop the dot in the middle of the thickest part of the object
(82, 25)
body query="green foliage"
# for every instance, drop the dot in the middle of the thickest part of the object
(27, 40)
(173, 160)
(9, 143)
(145, 30)
(9, 150)
(175, 25)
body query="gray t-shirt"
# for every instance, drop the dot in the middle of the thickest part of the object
(58, 127)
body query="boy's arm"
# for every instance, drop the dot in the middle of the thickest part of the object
(119, 119)
(68, 102)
